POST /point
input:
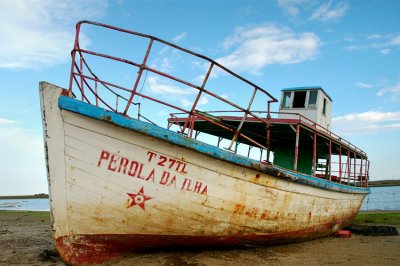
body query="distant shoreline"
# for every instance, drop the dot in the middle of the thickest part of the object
(384, 183)
(36, 196)
(377, 183)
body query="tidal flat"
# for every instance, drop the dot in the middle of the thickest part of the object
(25, 238)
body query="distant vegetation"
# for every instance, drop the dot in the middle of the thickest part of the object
(388, 218)
(36, 196)
(378, 183)
(384, 183)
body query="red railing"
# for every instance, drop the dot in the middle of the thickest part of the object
(297, 118)
(80, 66)
(91, 88)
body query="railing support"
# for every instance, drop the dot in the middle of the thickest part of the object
(355, 169)
(243, 119)
(201, 89)
(143, 66)
(315, 153)
(83, 82)
(340, 163)
(330, 161)
(296, 149)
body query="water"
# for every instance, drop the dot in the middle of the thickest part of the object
(25, 204)
(381, 198)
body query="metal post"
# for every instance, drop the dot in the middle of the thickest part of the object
(191, 126)
(315, 153)
(248, 152)
(116, 104)
(201, 89)
(354, 168)
(268, 142)
(243, 119)
(219, 141)
(73, 55)
(340, 163)
(268, 131)
(142, 67)
(361, 172)
(97, 93)
(348, 166)
(296, 150)
(367, 172)
(330, 161)
(196, 134)
(81, 76)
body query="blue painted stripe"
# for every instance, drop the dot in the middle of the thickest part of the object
(98, 113)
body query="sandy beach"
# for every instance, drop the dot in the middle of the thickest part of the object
(25, 238)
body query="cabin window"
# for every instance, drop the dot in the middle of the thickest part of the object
(299, 100)
(324, 107)
(286, 99)
(312, 99)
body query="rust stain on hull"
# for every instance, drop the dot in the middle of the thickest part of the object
(114, 190)
(99, 248)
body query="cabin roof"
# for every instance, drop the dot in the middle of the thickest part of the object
(308, 88)
(281, 132)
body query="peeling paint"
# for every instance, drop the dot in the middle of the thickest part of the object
(100, 210)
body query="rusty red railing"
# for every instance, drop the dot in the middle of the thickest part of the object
(81, 80)
(90, 87)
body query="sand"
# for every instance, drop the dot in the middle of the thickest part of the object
(25, 239)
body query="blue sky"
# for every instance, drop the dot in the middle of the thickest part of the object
(350, 48)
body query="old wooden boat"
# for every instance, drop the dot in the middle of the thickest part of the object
(120, 182)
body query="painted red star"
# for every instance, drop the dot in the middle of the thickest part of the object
(138, 199)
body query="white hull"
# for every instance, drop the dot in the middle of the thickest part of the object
(107, 182)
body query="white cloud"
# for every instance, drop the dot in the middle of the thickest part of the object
(5, 122)
(202, 101)
(352, 48)
(163, 113)
(349, 39)
(395, 40)
(256, 47)
(248, 10)
(179, 37)
(392, 91)
(166, 89)
(164, 50)
(185, 102)
(165, 64)
(39, 33)
(292, 7)
(364, 85)
(385, 51)
(154, 85)
(367, 122)
(22, 162)
(370, 116)
(168, 59)
(374, 36)
(165, 61)
(225, 96)
(328, 12)
(383, 43)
